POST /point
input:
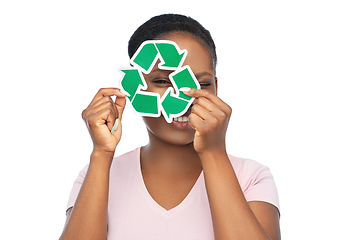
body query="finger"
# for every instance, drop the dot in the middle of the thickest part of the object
(197, 93)
(204, 119)
(200, 125)
(196, 122)
(107, 92)
(207, 104)
(120, 103)
(110, 121)
(102, 100)
(213, 109)
(108, 117)
(201, 112)
(105, 102)
(104, 113)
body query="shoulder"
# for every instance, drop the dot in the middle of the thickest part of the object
(125, 165)
(245, 166)
(126, 157)
(256, 180)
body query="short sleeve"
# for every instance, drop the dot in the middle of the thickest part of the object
(76, 187)
(257, 182)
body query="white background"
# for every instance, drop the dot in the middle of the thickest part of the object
(289, 69)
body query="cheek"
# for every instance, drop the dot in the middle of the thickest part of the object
(153, 124)
(214, 89)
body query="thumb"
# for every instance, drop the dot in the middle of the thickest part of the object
(120, 103)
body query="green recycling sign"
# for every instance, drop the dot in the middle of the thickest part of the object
(174, 102)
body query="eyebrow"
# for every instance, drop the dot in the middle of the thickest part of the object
(197, 75)
(161, 71)
(201, 74)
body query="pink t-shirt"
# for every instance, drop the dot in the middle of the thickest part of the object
(134, 214)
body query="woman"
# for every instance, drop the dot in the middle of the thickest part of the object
(182, 184)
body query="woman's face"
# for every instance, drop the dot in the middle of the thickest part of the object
(198, 58)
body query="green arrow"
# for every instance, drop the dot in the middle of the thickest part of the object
(173, 105)
(184, 78)
(172, 57)
(131, 81)
(146, 103)
(145, 56)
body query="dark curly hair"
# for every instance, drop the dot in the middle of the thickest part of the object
(158, 26)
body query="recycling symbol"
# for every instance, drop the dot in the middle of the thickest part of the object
(174, 102)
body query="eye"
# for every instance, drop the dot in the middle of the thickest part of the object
(205, 84)
(162, 81)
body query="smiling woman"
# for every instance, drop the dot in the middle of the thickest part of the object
(182, 184)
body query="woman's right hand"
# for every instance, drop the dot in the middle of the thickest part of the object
(100, 117)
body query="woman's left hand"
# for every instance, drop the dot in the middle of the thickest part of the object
(209, 117)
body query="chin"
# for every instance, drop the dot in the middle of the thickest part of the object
(179, 140)
(169, 133)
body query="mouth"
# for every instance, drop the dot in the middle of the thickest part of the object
(182, 122)
(183, 119)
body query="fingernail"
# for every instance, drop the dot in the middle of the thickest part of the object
(184, 89)
(116, 124)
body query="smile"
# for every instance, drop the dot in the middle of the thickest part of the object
(183, 119)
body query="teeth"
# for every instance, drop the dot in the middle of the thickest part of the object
(181, 119)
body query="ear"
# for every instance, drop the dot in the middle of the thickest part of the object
(216, 85)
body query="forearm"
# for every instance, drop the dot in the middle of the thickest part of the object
(231, 214)
(88, 218)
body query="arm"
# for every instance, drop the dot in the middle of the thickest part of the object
(88, 218)
(233, 218)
